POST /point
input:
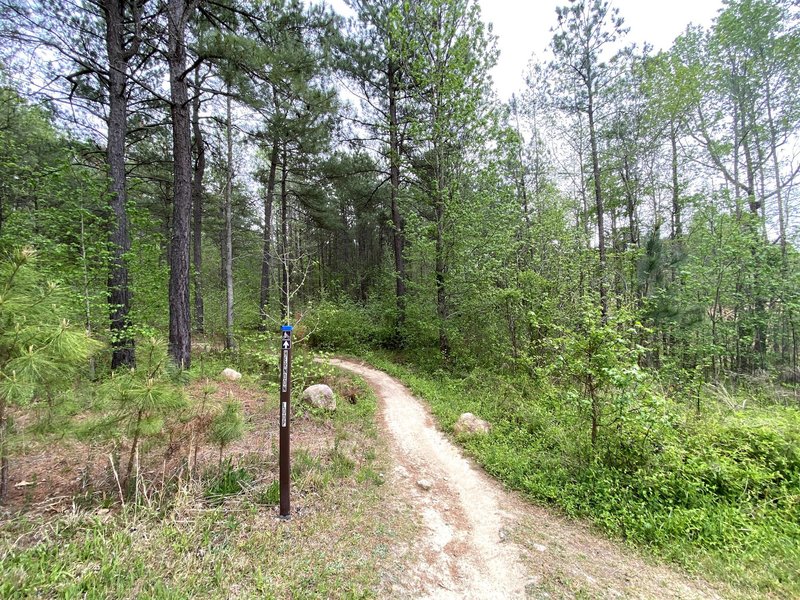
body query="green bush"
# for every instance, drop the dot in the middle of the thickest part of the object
(350, 327)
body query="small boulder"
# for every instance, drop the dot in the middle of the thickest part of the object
(231, 375)
(470, 424)
(320, 396)
(425, 484)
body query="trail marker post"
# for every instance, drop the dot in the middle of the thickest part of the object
(284, 417)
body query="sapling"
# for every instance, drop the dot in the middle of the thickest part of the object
(227, 426)
(143, 398)
(208, 390)
(40, 352)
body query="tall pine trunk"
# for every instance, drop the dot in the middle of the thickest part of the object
(230, 342)
(598, 198)
(197, 208)
(394, 180)
(676, 202)
(180, 336)
(122, 343)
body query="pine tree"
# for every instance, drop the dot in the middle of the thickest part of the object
(227, 426)
(40, 352)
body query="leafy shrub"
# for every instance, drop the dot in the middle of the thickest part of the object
(344, 326)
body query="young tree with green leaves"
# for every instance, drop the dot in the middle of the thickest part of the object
(227, 426)
(137, 403)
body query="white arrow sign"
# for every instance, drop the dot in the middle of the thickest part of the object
(285, 344)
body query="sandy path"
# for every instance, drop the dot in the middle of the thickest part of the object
(483, 542)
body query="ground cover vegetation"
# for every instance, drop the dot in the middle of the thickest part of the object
(605, 267)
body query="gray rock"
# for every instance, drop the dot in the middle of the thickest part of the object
(425, 484)
(320, 396)
(470, 424)
(231, 375)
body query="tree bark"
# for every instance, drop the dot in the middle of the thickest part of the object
(440, 262)
(180, 336)
(230, 342)
(773, 143)
(197, 208)
(394, 180)
(119, 297)
(598, 197)
(676, 201)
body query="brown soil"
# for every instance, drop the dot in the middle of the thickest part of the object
(482, 541)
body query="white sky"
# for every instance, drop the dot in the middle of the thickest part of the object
(523, 27)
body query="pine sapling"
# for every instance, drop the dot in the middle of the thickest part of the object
(227, 426)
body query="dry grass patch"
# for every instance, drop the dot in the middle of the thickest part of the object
(186, 539)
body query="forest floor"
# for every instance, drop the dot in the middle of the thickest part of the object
(65, 534)
(383, 505)
(481, 541)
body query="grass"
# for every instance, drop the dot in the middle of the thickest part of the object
(220, 537)
(719, 494)
(200, 553)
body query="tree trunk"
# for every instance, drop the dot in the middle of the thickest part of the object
(676, 201)
(598, 197)
(630, 198)
(595, 414)
(197, 208)
(440, 261)
(180, 336)
(266, 254)
(132, 455)
(773, 143)
(119, 297)
(394, 178)
(230, 342)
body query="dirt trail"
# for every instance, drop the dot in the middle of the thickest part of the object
(483, 542)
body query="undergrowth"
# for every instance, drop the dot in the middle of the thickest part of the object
(217, 535)
(717, 491)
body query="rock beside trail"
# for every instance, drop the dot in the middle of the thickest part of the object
(470, 424)
(231, 375)
(320, 396)
(425, 484)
